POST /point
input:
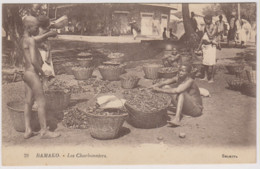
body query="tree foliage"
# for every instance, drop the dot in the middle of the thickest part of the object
(13, 26)
(247, 10)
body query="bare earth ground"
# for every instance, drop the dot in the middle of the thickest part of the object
(229, 117)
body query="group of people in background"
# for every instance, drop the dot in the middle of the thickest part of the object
(240, 30)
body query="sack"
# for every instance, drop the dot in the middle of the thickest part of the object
(110, 101)
(204, 92)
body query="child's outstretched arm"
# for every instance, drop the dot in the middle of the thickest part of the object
(43, 37)
(181, 88)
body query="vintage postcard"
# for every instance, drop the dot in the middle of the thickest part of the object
(147, 83)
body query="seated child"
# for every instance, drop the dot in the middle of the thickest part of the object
(172, 59)
(185, 95)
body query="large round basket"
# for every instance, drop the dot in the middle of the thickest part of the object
(111, 73)
(68, 68)
(171, 74)
(116, 57)
(249, 89)
(56, 100)
(251, 75)
(85, 62)
(82, 73)
(129, 82)
(234, 69)
(146, 120)
(235, 83)
(151, 71)
(119, 60)
(105, 126)
(16, 112)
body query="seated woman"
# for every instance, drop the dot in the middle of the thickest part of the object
(186, 96)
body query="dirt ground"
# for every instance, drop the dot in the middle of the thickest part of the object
(229, 117)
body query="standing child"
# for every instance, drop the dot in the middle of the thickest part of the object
(32, 79)
(209, 46)
(45, 47)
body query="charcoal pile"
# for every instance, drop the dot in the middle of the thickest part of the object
(146, 100)
(99, 86)
(74, 119)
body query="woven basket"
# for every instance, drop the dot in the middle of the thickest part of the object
(167, 74)
(56, 100)
(234, 69)
(85, 62)
(146, 120)
(251, 75)
(235, 84)
(119, 60)
(129, 83)
(111, 74)
(249, 89)
(68, 68)
(106, 126)
(151, 71)
(16, 112)
(82, 73)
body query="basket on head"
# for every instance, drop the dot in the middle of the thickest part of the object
(85, 62)
(82, 73)
(151, 71)
(111, 73)
(61, 22)
(129, 82)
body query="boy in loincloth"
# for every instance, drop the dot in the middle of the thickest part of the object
(33, 75)
(186, 96)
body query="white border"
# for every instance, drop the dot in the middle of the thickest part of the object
(228, 166)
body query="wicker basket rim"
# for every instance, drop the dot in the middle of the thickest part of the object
(88, 59)
(82, 68)
(152, 111)
(106, 116)
(16, 109)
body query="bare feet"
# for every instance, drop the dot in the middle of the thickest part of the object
(211, 81)
(29, 134)
(174, 123)
(205, 78)
(47, 134)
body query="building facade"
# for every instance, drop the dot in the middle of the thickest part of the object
(114, 19)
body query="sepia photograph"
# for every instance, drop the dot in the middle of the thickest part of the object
(122, 83)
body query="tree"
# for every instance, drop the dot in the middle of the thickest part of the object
(190, 38)
(247, 10)
(13, 26)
